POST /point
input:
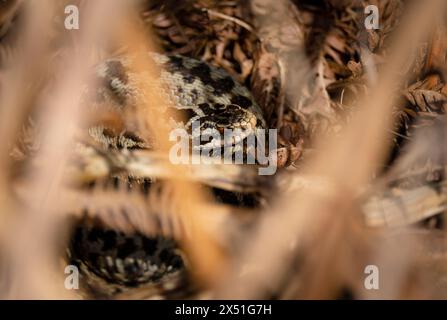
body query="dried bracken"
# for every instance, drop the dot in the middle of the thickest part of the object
(361, 155)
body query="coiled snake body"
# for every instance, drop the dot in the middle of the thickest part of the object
(112, 261)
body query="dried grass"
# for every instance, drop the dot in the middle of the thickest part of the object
(326, 216)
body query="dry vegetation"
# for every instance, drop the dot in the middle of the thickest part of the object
(361, 148)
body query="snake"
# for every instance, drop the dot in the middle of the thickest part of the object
(112, 262)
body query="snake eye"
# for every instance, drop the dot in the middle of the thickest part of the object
(128, 260)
